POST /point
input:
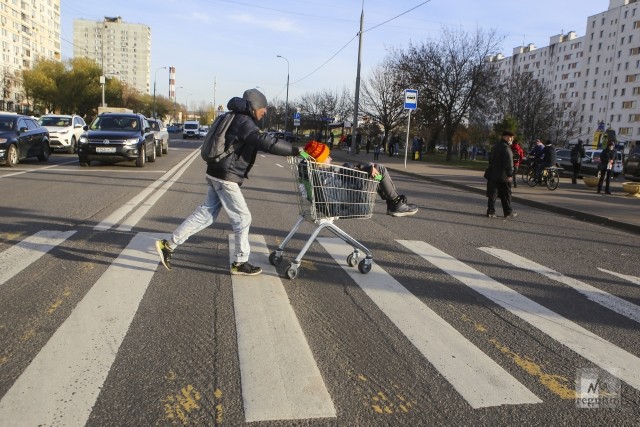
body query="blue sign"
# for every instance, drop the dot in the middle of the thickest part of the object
(296, 116)
(410, 99)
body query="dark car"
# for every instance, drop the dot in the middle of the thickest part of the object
(632, 164)
(117, 137)
(22, 137)
(563, 159)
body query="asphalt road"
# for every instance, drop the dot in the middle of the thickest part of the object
(463, 320)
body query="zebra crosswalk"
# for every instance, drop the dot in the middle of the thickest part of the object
(280, 377)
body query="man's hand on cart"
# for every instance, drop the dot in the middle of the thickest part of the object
(375, 174)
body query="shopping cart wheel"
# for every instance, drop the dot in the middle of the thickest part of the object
(274, 259)
(352, 260)
(364, 266)
(291, 271)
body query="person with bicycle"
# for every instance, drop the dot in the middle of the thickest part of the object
(537, 153)
(549, 157)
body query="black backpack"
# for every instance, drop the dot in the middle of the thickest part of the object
(214, 148)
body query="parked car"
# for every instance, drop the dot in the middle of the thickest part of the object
(116, 137)
(174, 128)
(563, 159)
(22, 137)
(632, 164)
(191, 129)
(203, 131)
(64, 130)
(161, 136)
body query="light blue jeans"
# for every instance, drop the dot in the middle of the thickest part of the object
(220, 194)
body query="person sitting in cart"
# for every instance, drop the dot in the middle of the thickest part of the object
(396, 203)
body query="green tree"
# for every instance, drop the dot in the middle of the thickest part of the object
(42, 83)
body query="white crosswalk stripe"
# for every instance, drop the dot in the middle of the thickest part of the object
(602, 353)
(594, 294)
(478, 379)
(20, 256)
(280, 379)
(78, 357)
(633, 279)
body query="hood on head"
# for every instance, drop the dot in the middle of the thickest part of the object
(239, 105)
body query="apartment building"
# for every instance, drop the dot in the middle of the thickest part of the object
(123, 50)
(597, 76)
(29, 30)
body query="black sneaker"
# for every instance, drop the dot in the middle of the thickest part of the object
(511, 215)
(164, 252)
(401, 208)
(245, 269)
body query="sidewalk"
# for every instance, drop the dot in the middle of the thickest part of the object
(579, 201)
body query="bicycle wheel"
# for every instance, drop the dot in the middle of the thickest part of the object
(525, 173)
(531, 178)
(553, 179)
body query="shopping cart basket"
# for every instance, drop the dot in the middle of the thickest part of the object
(326, 193)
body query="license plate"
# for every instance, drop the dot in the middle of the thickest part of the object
(105, 149)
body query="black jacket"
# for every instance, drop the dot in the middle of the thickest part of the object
(236, 167)
(501, 162)
(606, 156)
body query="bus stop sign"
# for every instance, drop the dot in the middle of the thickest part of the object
(410, 99)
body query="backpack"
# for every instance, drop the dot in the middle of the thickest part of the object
(214, 148)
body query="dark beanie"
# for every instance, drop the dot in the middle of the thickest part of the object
(255, 98)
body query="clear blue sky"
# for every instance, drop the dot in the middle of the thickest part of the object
(237, 42)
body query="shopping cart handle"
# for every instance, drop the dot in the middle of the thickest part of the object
(304, 155)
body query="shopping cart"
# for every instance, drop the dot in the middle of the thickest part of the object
(326, 193)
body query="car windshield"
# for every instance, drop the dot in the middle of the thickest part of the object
(6, 124)
(190, 126)
(55, 121)
(115, 123)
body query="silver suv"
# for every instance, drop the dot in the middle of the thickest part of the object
(64, 130)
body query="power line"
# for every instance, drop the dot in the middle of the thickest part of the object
(354, 37)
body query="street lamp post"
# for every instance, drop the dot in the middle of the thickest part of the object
(102, 83)
(286, 102)
(155, 76)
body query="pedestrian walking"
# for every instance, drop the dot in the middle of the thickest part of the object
(607, 157)
(499, 176)
(577, 153)
(376, 149)
(224, 179)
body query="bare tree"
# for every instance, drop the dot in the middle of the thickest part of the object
(381, 97)
(451, 75)
(319, 106)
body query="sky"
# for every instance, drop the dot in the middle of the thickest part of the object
(222, 47)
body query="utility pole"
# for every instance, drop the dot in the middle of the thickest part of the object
(354, 125)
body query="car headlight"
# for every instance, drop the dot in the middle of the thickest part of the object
(3, 140)
(132, 141)
(83, 140)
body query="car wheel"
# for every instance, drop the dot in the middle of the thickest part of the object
(159, 148)
(72, 146)
(46, 152)
(154, 151)
(166, 149)
(142, 157)
(12, 156)
(84, 162)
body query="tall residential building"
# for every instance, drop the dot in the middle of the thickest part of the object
(122, 50)
(29, 30)
(596, 76)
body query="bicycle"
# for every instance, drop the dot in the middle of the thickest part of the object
(550, 177)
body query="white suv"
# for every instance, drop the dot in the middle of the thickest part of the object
(64, 130)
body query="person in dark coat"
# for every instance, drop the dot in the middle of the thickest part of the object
(607, 158)
(577, 153)
(500, 176)
(224, 179)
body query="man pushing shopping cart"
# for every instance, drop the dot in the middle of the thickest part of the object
(329, 192)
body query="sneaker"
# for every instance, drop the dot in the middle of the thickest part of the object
(401, 208)
(164, 252)
(511, 215)
(491, 215)
(245, 269)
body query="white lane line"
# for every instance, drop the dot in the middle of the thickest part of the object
(279, 376)
(478, 378)
(599, 351)
(124, 210)
(592, 293)
(139, 213)
(633, 279)
(109, 171)
(23, 171)
(24, 253)
(61, 385)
